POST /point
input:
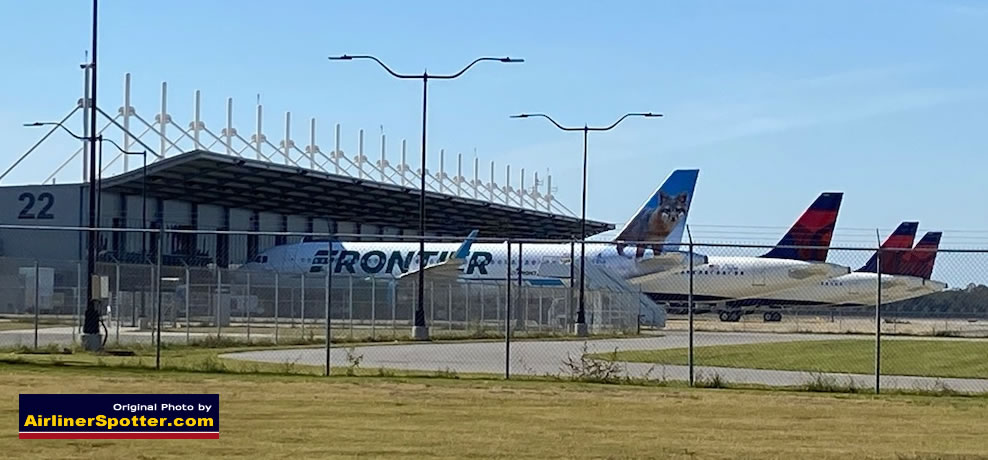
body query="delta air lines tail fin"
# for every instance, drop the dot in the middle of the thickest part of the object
(919, 262)
(901, 238)
(809, 238)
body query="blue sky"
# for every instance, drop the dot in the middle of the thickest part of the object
(774, 101)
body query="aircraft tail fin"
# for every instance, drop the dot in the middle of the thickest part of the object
(662, 218)
(919, 262)
(901, 238)
(809, 238)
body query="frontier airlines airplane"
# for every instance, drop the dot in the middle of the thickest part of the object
(660, 220)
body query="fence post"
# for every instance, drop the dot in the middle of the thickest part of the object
(540, 310)
(449, 306)
(219, 300)
(153, 283)
(878, 316)
(188, 304)
(689, 300)
(116, 302)
(247, 307)
(497, 302)
(37, 304)
(524, 313)
(527, 303)
(480, 323)
(572, 280)
(329, 300)
(301, 314)
(349, 302)
(161, 249)
(78, 301)
(507, 315)
(393, 288)
(373, 301)
(276, 305)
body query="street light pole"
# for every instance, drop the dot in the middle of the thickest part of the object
(90, 328)
(580, 328)
(144, 175)
(420, 330)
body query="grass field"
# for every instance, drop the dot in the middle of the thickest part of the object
(940, 358)
(311, 417)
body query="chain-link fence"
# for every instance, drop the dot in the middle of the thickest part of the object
(703, 313)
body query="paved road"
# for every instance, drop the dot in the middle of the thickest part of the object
(542, 358)
(128, 335)
(532, 358)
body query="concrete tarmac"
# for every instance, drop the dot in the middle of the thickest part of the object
(547, 358)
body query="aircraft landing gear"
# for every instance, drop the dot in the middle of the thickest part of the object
(730, 316)
(772, 316)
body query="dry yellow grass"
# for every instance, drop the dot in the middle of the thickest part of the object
(311, 417)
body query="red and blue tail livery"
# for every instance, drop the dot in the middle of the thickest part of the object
(809, 238)
(901, 240)
(919, 262)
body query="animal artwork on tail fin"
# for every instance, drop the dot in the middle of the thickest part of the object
(662, 218)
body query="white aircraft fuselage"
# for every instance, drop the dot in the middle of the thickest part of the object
(858, 288)
(730, 278)
(547, 263)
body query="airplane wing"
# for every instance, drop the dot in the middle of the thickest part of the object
(451, 267)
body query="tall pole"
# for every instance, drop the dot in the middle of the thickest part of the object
(689, 303)
(581, 316)
(507, 314)
(420, 330)
(157, 283)
(878, 316)
(91, 334)
(581, 325)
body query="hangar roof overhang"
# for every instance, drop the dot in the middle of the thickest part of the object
(205, 177)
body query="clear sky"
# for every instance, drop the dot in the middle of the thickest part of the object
(774, 101)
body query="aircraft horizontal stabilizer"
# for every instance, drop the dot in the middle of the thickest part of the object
(669, 261)
(449, 268)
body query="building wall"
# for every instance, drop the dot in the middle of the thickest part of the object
(69, 206)
(37, 205)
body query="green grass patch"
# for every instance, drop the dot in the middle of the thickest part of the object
(266, 416)
(929, 358)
